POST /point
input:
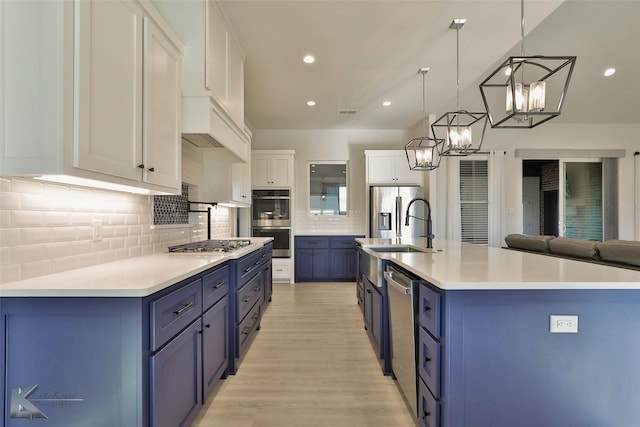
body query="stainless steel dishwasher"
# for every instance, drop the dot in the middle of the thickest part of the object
(401, 288)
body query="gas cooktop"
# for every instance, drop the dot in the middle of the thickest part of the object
(211, 246)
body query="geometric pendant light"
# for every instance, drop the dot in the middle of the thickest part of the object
(423, 153)
(462, 132)
(525, 91)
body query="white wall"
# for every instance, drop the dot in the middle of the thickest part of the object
(350, 145)
(318, 145)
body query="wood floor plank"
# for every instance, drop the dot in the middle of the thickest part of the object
(310, 365)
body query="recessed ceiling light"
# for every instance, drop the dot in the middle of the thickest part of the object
(386, 103)
(609, 72)
(311, 103)
(309, 59)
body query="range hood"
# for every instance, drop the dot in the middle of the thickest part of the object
(205, 123)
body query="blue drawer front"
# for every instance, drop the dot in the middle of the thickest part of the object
(429, 310)
(304, 242)
(428, 407)
(215, 285)
(344, 242)
(429, 361)
(247, 266)
(172, 313)
(248, 295)
(247, 328)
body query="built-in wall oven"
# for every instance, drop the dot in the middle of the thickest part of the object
(271, 217)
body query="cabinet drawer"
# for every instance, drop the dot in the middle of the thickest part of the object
(246, 267)
(248, 295)
(429, 361)
(312, 242)
(215, 285)
(429, 309)
(172, 313)
(246, 328)
(343, 242)
(428, 407)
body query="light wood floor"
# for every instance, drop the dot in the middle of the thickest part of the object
(311, 365)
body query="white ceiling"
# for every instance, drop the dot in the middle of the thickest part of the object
(370, 50)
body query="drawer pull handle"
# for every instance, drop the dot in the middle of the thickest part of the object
(263, 255)
(368, 291)
(255, 316)
(246, 331)
(256, 289)
(184, 308)
(218, 285)
(257, 262)
(247, 299)
(248, 269)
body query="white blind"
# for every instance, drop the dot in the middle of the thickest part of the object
(474, 201)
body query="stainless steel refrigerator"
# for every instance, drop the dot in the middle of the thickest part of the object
(387, 209)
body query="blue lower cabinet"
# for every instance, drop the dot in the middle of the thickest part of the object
(176, 381)
(326, 258)
(215, 345)
(373, 316)
(139, 362)
(86, 351)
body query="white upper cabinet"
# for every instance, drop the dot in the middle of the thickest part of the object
(226, 181)
(272, 169)
(110, 110)
(108, 88)
(162, 109)
(390, 167)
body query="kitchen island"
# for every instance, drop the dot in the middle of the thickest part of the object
(139, 342)
(485, 352)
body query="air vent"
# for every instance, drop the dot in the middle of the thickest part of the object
(345, 111)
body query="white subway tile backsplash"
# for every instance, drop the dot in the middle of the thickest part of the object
(47, 228)
(23, 219)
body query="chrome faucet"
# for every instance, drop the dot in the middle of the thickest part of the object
(426, 220)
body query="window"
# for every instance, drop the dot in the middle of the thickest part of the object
(474, 201)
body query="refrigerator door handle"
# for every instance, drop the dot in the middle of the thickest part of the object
(398, 216)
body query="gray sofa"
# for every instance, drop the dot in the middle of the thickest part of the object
(617, 253)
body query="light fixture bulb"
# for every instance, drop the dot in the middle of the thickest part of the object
(311, 103)
(424, 157)
(609, 72)
(536, 96)
(386, 103)
(309, 59)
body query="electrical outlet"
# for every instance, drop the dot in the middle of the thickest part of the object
(563, 324)
(97, 230)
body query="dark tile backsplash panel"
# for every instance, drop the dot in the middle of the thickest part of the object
(171, 209)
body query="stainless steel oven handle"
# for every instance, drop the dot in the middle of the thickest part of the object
(269, 227)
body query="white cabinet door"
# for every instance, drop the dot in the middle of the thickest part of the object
(108, 88)
(281, 171)
(215, 51)
(380, 170)
(260, 171)
(403, 174)
(241, 183)
(162, 109)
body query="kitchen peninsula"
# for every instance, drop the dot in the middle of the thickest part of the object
(138, 342)
(487, 356)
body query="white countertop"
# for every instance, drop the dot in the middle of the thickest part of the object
(458, 266)
(133, 277)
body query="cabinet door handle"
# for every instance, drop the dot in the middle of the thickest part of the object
(427, 359)
(257, 289)
(246, 331)
(151, 169)
(255, 316)
(426, 308)
(247, 299)
(218, 285)
(368, 291)
(141, 165)
(184, 308)
(425, 414)
(208, 325)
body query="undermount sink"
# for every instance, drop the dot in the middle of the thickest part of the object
(391, 248)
